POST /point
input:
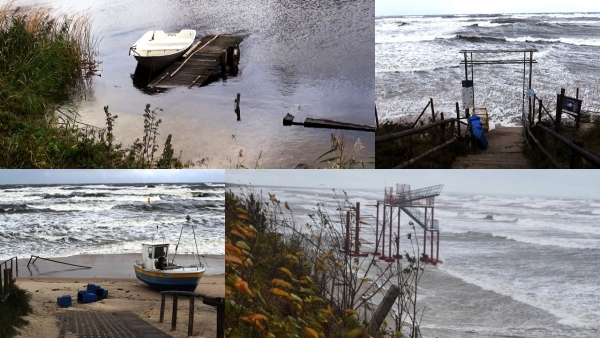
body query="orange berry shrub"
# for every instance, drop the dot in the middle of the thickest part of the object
(286, 278)
(269, 289)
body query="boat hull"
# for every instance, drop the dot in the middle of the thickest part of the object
(157, 63)
(169, 281)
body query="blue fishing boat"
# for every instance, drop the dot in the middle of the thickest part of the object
(160, 274)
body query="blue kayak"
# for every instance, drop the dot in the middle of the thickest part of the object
(477, 128)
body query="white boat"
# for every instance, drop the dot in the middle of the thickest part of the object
(156, 50)
(160, 274)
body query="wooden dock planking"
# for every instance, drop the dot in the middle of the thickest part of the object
(200, 64)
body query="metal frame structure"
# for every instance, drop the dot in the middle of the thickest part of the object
(471, 62)
(410, 202)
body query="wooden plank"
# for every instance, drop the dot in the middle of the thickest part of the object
(324, 123)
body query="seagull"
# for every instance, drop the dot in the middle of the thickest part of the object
(232, 136)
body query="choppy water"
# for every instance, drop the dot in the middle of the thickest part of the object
(64, 220)
(316, 55)
(417, 58)
(512, 266)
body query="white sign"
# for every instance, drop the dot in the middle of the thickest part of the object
(529, 92)
(467, 97)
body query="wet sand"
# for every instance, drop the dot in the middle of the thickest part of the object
(46, 281)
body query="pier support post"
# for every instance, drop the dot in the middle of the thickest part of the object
(237, 107)
(174, 315)
(191, 317)
(162, 308)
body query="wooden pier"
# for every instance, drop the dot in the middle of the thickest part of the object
(288, 120)
(201, 61)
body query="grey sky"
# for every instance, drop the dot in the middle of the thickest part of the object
(430, 7)
(554, 183)
(76, 176)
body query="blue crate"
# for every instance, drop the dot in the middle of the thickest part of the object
(84, 296)
(101, 293)
(64, 301)
(92, 287)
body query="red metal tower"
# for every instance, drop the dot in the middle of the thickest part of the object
(411, 203)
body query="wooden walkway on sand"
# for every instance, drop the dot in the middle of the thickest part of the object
(102, 324)
(200, 62)
(503, 152)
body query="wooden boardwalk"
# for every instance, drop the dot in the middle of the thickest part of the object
(200, 62)
(102, 324)
(503, 152)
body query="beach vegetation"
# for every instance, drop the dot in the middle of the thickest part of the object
(395, 152)
(588, 134)
(285, 279)
(47, 57)
(13, 308)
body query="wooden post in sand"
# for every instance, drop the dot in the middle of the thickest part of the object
(237, 107)
(174, 316)
(383, 309)
(458, 118)
(191, 317)
(162, 308)
(432, 110)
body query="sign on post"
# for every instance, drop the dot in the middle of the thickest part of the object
(572, 105)
(467, 94)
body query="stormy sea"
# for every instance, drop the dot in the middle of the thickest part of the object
(417, 58)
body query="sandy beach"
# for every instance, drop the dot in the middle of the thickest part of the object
(47, 280)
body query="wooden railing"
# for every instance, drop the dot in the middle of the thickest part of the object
(217, 302)
(537, 132)
(455, 133)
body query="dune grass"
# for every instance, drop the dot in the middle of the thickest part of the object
(392, 153)
(588, 133)
(13, 309)
(46, 57)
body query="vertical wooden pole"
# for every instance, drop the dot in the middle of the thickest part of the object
(431, 244)
(376, 118)
(576, 159)
(174, 315)
(578, 118)
(191, 317)
(162, 308)
(530, 118)
(443, 127)
(540, 112)
(559, 104)
(237, 107)
(432, 110)
(458, 118)
(221, 319)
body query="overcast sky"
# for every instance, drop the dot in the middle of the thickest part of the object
(77, 176)
(552, 183)
(430, 7)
